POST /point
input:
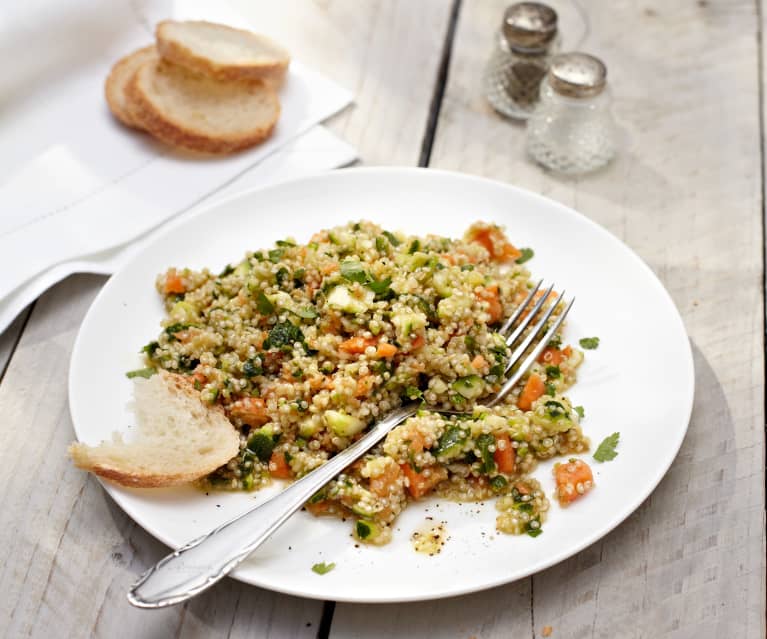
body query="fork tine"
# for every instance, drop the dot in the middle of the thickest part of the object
(530, 317)
(515, 315)
(530, 359)
(520, 350)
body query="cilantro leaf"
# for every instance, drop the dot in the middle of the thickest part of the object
(275, 255)
(551, 389)
(553, 372)
(527, 254)
(323, 568)
(580, 411)
(606, 450)
(392, 238)
(589, 343)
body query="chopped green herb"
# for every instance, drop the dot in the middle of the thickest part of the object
(606, 450)
(283, 334)
(392, 238)
(323, 568)
(471, 344)
(555, 410)
(175, 328)
(467, 267)
(555, 342)
(261, 445)
(589, 343)
(580, 411)
(285, 243)
(353, 271)
(534, 532)
(275, 255)
(382, 288)
(282, 275)
(228, 270)
(253, 367)
(380, 245)
(146, 373)
(413, 392)
(414, 246)
(484, 442)
(551, 389)
(298, 277)
(263, 304)
(150, 348)
(527, 254)
(499, 482)
(553, 372)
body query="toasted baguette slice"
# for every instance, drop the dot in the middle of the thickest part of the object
(222, 52)
(192, 111)
(179, 438)
(118, 79)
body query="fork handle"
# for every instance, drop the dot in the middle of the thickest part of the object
(204, 561)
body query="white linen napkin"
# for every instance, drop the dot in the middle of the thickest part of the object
(74, 181)
(315, 151)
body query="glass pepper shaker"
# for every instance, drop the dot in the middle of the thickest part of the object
(571, 130)
(518, 64)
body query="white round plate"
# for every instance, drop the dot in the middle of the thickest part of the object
(639, 382)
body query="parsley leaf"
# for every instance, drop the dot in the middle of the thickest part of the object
(264, 306)
(353, 271)
(323, 568)
(275, 255)
(392, 238)
(551, 389)
(284, 334)
(580, 411)
(606, 450)
(589, 343)
(553, 372)
(380, 287)
(527, 254)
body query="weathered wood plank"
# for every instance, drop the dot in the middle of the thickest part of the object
(685, 194)
(68, 554)
(386, 51)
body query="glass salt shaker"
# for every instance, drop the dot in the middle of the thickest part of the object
(524, 46)
(571, 130)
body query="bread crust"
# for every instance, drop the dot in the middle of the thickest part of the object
(271, 73)
(115, 86)
(172, 130)
(128, 474)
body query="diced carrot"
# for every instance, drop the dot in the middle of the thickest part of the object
(567, 350)
(421, 483)
(478, 362)
(418, 342)
(533, 390)
(386, 350)
(320, 508)
(251, 410)
(385, 483)
(448, 258)
(504, 455)
(355, 345)
(199, 379)
(364, 385)
(551, 356)
(278, 466)
(574, 479)
(490, 295)
(330, 268)
(173, 283)
(493, 239)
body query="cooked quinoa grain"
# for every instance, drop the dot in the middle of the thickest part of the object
(306, 345)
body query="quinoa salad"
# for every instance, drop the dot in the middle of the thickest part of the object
(305, 346)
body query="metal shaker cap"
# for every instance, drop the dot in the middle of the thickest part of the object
(577, 75)
(529, 25)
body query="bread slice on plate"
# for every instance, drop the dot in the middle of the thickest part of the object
(192, 111)
(179, 438)
(222, 52)
(118, 79)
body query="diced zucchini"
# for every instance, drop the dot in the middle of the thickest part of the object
(243, 268)
(309, 427)
(341, 299)
(408, 323)
(342, 424)
(366, 530)
(184, 312)
(469, 387)
(411, 262)
(454, 307)
(442, 283)
(451, 443)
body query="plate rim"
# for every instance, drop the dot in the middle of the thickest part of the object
(618, 517)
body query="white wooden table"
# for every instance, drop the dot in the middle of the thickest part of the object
(686, 193)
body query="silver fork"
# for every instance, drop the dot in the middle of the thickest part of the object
(202, 562)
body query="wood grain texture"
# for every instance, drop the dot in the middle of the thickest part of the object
(67, 553)
(385, 51)
(685, 193)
